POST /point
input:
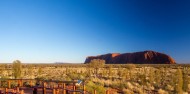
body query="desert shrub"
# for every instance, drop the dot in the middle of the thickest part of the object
(149, 86)
(13, 84)
(40, 78)
(4, 84)
(98, 81)
(160, 91)
(108, 83)
(169, 88)
(81, 76)
(128, 91)
(27, 84)
(138, 90)
(130, 66)
(91, 86)
(136, 84)
(116, 85)
(128, 85)
(75, 76)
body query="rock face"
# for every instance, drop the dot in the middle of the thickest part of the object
(145, 57)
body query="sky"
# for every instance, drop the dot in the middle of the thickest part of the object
(48, 31)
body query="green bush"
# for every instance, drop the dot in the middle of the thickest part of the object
(91, 86)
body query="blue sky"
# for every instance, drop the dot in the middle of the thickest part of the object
(48, 31)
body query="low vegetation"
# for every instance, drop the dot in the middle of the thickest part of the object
(126, 78)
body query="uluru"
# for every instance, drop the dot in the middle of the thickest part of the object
(143, 57)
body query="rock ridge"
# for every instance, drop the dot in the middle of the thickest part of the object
(144, 57)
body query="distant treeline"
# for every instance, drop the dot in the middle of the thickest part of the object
(9, 66)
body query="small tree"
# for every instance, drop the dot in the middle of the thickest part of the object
(186, 80)
(110, 71)
(157, 78)
(88, 71)
(151, 76)
(131, 68)
(120, 72)
(17, 69)
(40, 71)
(96, 64)
(30, 71)
(179, 81)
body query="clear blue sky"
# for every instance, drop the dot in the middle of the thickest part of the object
(48, 31)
